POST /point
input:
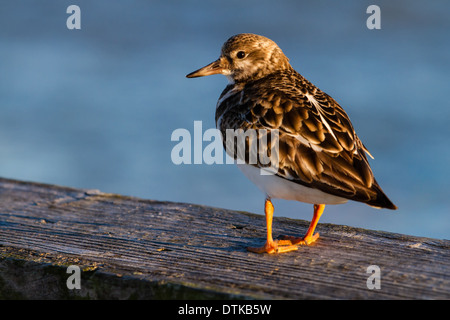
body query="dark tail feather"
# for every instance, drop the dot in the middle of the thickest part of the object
(381, 201)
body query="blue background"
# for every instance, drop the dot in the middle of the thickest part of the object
(96, 107)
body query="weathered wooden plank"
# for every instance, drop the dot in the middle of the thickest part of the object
(135, 248)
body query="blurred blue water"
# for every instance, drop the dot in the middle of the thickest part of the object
(95, 108)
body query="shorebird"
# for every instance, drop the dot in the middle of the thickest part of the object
(321, 160)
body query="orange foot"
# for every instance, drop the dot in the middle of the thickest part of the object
(306, 240)
(310, 236)
(277, 246)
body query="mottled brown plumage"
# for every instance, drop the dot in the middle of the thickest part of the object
(318, 146)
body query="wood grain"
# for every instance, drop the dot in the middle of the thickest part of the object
(145, 249)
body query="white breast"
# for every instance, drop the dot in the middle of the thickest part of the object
(279, 188)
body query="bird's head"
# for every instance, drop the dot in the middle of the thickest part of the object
(246, 57)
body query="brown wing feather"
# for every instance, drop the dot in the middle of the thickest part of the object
(318, 146)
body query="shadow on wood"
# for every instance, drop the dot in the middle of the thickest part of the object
(130, 248)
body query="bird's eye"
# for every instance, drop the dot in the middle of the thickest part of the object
(240, 55)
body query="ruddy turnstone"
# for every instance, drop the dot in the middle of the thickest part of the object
(321, 159)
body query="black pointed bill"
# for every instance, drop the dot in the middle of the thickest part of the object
(212, 68)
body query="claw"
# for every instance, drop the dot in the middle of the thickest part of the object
(277, 246)
(306, 240)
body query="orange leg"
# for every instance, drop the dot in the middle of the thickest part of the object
(309, 237)
(272, 246)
